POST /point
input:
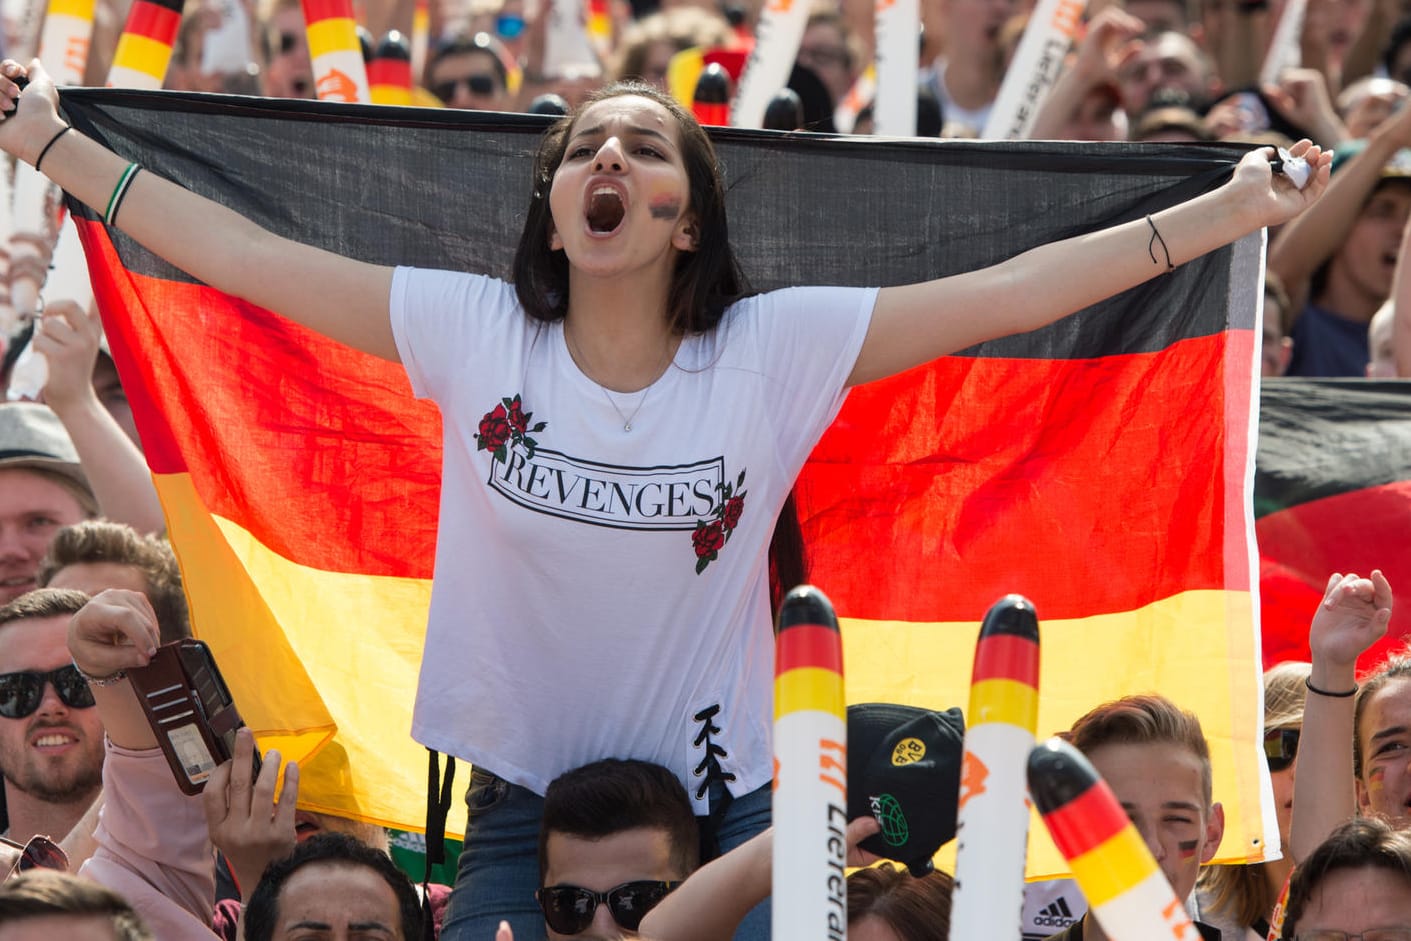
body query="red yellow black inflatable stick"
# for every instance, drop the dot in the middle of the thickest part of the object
(992, 820)
(810, 771)
(1126, 891)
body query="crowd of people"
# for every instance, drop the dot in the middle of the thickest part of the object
(625, 288)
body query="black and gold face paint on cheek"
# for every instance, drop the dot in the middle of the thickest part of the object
(665, 207)
(1187, 848)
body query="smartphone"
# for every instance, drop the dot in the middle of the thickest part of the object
(191, 711)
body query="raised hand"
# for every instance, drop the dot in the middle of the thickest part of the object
(1272, 197)
(116, 630)
(68, 337)
(1352, 617)
(244, 819)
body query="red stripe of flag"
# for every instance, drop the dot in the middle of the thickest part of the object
(315, 10)
(394, 72)
(808, 645)
(1006, 657)
(1087, 821)
(153, 21)
(1090, 474)
(307, 428)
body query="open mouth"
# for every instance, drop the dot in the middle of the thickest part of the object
(606, 211)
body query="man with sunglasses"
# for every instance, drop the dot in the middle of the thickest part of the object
(51, 737)
(617, 836)
(468, 72)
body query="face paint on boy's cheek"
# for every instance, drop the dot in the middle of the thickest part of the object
(1187, 848)
(666, 207)
(1376, 778)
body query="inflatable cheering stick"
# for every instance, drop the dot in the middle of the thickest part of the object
(992, 820)
(810, 771)
(711, 104)
(389, 74)
(1126, 891)
(144, 48)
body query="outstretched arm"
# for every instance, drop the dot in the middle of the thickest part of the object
(338, 297)
(1352, 616)
(710, 905)
(916, 323)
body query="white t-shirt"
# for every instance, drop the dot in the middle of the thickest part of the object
(599, 592)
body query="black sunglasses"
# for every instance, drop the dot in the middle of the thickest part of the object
(39, 853)
(1280, 748)
(569, 909)
(478, 85)
(20, 693)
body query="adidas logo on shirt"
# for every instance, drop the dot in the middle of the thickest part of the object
(1057, 915)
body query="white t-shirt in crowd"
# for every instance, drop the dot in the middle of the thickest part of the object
(601, 592)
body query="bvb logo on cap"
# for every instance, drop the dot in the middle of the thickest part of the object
(889, 814)
(907, 751)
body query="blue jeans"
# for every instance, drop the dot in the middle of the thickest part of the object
(499, 867)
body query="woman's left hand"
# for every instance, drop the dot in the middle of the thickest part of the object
(1272, 197)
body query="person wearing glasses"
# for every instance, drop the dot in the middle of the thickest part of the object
(617, 836)
(1356, 886)
(1240, 899)
(468, 72)
(51, 737)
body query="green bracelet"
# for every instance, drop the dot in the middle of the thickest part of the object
(120, 191)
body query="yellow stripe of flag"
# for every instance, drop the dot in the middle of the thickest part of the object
(78, 9)
(809, 688)
(1113, 867)
(334, 34)
(142, 54)
(1006, 701)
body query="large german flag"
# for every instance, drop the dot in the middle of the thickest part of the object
(1332, 493)
(1099, 466)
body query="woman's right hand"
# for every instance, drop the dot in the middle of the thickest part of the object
(1352, 617)
(31, 117)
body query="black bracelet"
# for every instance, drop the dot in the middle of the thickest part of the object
(1331, 695)
(1156, 237)
(52, 141)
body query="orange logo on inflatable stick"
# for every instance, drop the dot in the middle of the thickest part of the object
(973, 775)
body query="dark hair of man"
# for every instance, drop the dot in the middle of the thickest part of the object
(42, 603)
(615, 795)
(482, 44)
(95, 541)
(332, 849)
(1361, 843)
(706, 281)
(916, 909)
(1144, 720)
(44, 893)
(1400, 36)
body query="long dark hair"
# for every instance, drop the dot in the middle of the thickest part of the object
(706, 281)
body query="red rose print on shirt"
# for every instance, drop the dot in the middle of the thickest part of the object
(506, 427)
(710, 536)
